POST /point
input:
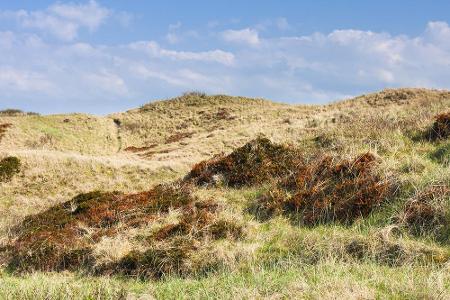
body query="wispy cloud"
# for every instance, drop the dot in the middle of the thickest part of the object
(62, 20)
(153, 49)
(245, 36)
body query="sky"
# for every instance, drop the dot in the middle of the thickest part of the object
(106, 56)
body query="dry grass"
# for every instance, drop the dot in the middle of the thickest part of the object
(235, 255)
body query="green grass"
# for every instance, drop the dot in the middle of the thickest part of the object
(325, 280)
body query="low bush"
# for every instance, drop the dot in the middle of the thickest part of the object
(11, 112)
(254, 163)
(9, 166)
(427, 213)
(3, 128)
(51, 240)
(327, 190)
(440, 128)
(65, 236)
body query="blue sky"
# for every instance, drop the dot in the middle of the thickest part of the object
(106, 56)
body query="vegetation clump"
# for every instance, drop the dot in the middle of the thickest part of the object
(9, 166)
(427, 213)
(171, 246)
(326, 190)
(3, 128)
(254, 163)
(11, 112)
(134, 149)
(441, 127)
(54, 239)
(178, 137)
(64, 237)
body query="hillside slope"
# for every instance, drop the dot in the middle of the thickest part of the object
(130, 152)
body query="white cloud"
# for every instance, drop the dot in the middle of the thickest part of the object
(61, 20)
(153, 49)
(90, 15)
(13, 79)
(108, 82)
(245, 36)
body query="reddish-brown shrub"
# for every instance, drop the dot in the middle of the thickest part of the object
(440, 128)
(178, 137)
(427, 213)
(134, 149)
(49, 240)
(3, 128)
(62, 238)
(326, 190)
(254, 163)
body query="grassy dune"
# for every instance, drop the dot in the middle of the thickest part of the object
(375, 256)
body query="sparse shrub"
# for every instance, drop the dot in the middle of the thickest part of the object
(9, 166)
(134, 149)
(55, 233)
(3, 128)
(11, 112)
(440, 128)
(254, 163)
(172, 245)
(426, 213)
(326, 190)
(194, 94)
(158, 261)
(178, 137)
(64, 236)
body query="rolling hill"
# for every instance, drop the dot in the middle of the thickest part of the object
(220, 196)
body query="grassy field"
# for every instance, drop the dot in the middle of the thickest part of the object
(376, 255)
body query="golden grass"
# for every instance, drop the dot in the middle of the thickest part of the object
(369, 259)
